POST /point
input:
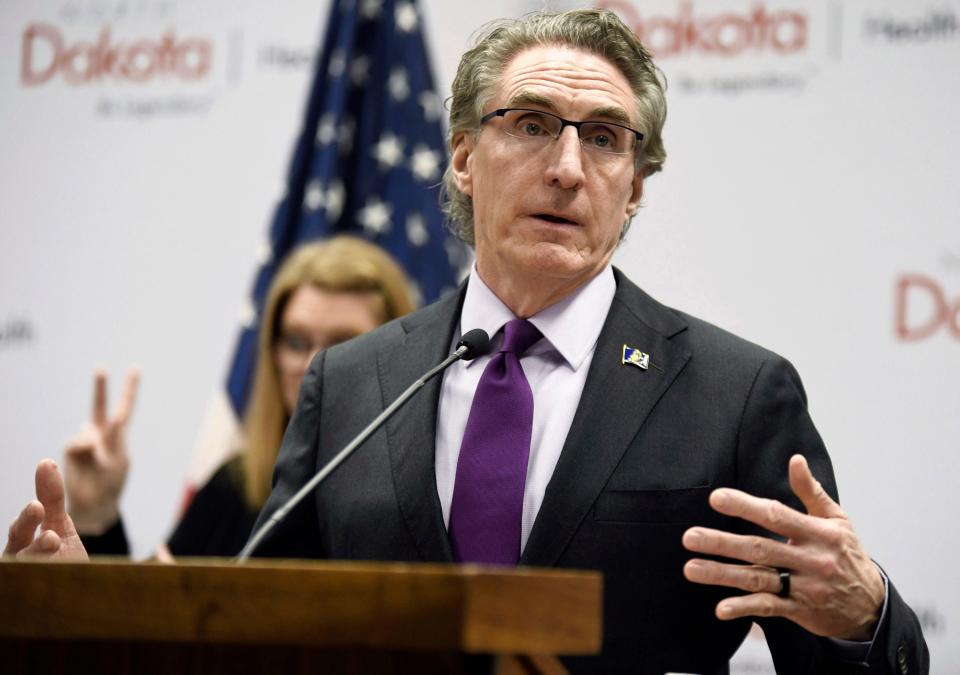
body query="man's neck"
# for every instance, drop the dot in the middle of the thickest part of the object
(528, 295)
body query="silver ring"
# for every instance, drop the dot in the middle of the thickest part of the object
(784, 591)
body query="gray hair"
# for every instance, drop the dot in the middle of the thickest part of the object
(598, 31)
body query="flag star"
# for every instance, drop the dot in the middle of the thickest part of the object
(327, 129)
(313, 198)
(417, 233)
(345, 135)
(399, 84)
(388, 151)
(336, 196)
(425, 163)
(406, 17)
(359, 69)
(338, 64)
(370, 9)
(417, 293)
(431, 104)
(248, 314)
(375, 216)
(264, 253)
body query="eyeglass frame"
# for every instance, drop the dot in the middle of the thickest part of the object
(564, 123)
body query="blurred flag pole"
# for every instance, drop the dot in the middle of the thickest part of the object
(368, 162)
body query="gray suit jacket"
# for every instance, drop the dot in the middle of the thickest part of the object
(643, 452)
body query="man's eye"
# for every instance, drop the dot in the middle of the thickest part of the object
(601, 141)
(602, 138)
(531, 129)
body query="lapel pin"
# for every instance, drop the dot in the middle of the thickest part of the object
(635, 357)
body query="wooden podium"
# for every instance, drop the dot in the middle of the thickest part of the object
(205, 616)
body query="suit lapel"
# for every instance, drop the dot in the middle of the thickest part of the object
(616, 400)
(411, 431)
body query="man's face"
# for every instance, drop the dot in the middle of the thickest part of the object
(553, 210)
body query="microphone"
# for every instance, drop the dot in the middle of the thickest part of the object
(472, 344)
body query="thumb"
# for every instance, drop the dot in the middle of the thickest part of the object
(49, 484)
(810, 491)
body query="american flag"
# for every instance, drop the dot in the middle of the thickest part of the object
(368, 161)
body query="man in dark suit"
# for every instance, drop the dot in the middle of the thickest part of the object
(605, 431)
(637, 413)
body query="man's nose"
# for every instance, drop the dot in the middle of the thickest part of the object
(565, 169)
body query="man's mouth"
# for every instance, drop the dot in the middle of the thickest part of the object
(550, 218)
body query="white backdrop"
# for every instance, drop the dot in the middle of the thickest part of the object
(808, 203)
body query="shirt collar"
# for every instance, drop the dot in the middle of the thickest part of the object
(572, 325)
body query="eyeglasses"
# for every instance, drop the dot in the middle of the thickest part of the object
(537, 126)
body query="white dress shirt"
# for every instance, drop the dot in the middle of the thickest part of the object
(556, 368)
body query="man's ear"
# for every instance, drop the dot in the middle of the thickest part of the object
(460, 164)
(637, 192)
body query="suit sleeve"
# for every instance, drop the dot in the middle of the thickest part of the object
(298, 535)
(775, 425)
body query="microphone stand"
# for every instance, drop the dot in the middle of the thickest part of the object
(466, 348)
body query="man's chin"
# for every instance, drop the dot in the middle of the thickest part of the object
(555, 261)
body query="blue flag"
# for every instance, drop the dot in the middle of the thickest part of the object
(368, 161)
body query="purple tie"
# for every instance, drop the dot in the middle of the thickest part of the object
(487, 505)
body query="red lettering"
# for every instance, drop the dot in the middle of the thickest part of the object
(919, 282)
(44, 54)
(193, 59)
(139, 63)
(83, 52)
(789, 32)
(29, 75)
(728, 34)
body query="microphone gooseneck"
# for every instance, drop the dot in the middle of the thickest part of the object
(474, 343)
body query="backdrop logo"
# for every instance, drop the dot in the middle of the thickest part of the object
(46, 53)
(923, 309)
(726, 34)
(15, 331)
(937, 25)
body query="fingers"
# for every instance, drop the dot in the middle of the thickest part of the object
(811, 492)
(50, 492)
(761, 583)
(99, 398)
(755, 604)
(84, 443)
(47, 544)
(753, 549)
(767, 513)
(22, 529)
(750, 578)
(124, 409)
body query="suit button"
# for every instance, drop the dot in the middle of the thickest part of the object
(902, 660)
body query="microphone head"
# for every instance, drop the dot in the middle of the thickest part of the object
(477, 343)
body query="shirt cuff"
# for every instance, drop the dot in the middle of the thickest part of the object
(853, 650)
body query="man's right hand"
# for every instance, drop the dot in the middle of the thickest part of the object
(96, 462)
(58, 537)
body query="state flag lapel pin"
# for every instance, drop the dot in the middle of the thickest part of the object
(635, 357)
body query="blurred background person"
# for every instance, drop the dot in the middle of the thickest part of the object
(323, 294)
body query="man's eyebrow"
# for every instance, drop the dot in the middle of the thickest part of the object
(610, 112)
(525, 98)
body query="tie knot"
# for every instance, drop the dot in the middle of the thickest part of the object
(518, 336)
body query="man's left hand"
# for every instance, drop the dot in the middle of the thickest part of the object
(835, 589)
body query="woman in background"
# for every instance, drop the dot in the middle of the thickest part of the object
(323, 294)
